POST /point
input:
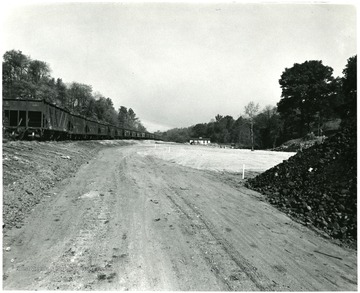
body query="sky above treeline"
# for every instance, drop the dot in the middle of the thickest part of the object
(179, 64)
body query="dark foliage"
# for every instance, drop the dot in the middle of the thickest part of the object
(319, 185)
(308, 91)
(30, 79)
(227, 130)
(312, 103)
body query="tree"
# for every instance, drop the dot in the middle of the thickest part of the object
(250, 110)
(305, 90)
(45, 89)
(61, 92)
(38, 70)
(218, 117)
(39, 82)
(16, 65)
(26, 78)
(180, 135)
(269, 125)
(220, 130)
(240, 135)
(123, 117)
(226, 124)
(23, 77)
(79, 96)
(199, 130)
(132, 119)
(14, 77)
(349, 90)
(140, 127)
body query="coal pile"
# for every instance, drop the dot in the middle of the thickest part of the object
(317, 186)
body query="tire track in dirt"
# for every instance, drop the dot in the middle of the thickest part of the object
(219, 254)
(260, 281)
(229, 270)
(143, 245)
(74, 225)
(174, 263)
(233, 270)
(80, 264)
(282, 250)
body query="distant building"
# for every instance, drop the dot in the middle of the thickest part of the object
(200, 140)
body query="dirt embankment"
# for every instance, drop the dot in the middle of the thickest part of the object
(32, 168)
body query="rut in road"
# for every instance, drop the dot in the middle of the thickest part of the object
(241, 270)
(273, 252)
(232, 270)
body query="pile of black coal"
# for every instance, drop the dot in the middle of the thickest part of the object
(317, 185)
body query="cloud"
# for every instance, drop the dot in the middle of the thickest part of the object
(181, 64)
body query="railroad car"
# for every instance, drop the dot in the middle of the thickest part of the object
(40, 119)
(77, 129)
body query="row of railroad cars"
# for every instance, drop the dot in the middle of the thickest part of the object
(24, 118)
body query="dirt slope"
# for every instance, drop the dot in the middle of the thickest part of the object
(32, 168)
(131, 221)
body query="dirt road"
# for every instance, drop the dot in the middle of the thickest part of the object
(131, 221)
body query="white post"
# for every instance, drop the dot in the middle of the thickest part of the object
(169, 149)
(243, 175)
(155, 145)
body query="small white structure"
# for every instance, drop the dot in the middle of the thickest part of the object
(200, 140)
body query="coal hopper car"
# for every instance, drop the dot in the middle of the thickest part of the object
(23, 118)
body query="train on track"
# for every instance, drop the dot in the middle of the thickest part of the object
(39, 119)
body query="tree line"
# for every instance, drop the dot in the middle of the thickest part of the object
(227, 130)
(312, 103)
(25, 78)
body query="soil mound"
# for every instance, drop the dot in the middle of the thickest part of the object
(317, 186)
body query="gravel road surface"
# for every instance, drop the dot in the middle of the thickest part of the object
(129, 220)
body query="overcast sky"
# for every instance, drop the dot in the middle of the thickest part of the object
(181, 64)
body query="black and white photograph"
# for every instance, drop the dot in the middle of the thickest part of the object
(179, 145)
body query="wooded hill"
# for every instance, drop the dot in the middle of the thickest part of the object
(25, 78)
